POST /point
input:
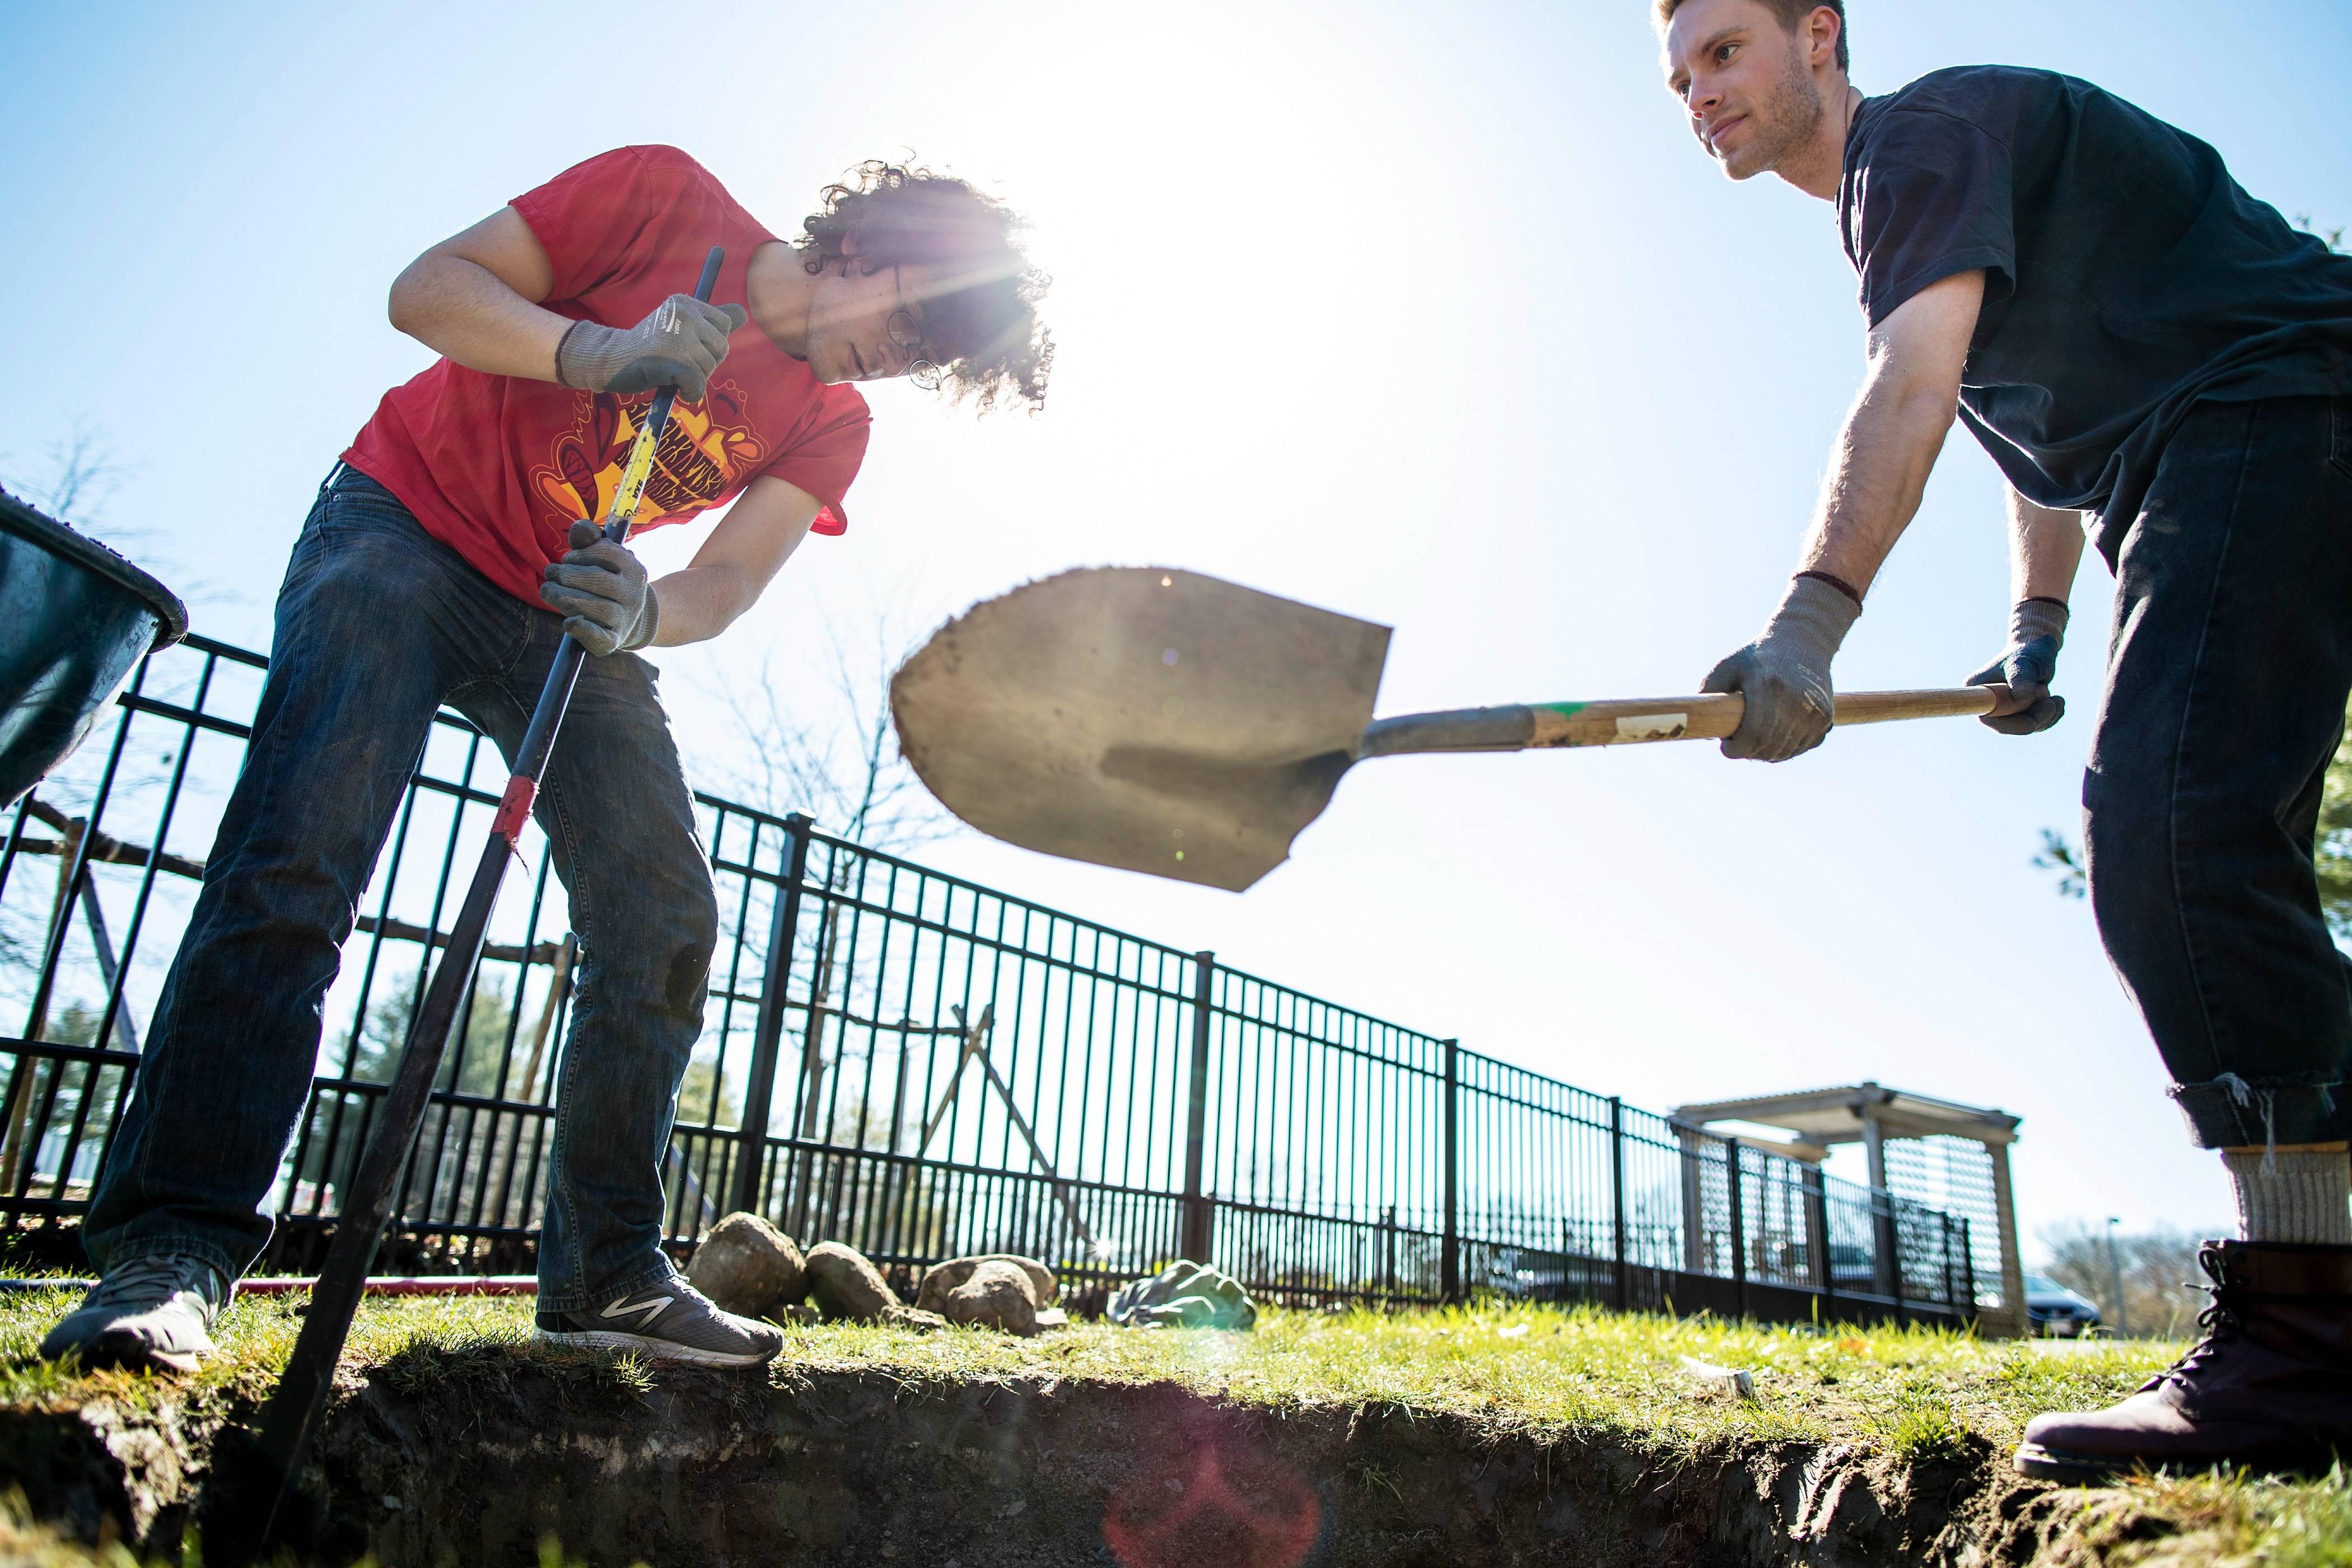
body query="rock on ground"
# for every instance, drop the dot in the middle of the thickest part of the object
(997, 1296)
(844, 1285)
(943, 1278)
(748, 1267)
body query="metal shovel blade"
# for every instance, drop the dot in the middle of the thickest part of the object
(1141, 717)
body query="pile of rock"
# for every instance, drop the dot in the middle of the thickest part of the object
(997, 1290)
(748, 1267)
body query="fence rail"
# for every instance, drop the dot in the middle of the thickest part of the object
(904, 1060)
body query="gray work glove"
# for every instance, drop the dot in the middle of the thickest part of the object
(1785, 674)
(1183, 1296)
(679, 345)
(601, 593)
(2037, 630)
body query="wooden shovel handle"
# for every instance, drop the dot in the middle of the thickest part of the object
(1633, 721)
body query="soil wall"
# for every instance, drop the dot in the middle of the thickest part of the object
(477, 1458)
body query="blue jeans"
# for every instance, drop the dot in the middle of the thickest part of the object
(378, 624)
(2231, 660)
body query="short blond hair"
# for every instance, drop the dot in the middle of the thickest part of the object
(1792, 15)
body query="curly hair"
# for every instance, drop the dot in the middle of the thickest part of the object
(979, 320)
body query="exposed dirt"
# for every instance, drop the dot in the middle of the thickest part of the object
(104, 1470)
(476, 1456)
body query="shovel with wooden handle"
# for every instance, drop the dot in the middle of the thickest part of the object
(1161, 721)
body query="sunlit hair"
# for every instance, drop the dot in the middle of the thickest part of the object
(1792, 15)
(980, 308)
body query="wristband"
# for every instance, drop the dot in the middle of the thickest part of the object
(1839, 584)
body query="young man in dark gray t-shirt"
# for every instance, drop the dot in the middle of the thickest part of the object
(2150, 353)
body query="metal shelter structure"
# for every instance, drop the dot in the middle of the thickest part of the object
(1920, 1150)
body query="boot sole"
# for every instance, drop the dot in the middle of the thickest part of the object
(2094, 1469)
(650, 1348)
(2067, 1469)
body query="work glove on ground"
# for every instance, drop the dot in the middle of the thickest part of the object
(2037, 630)
(601, 591)
(679, 345)
(1785, 674)
(1183, 1296)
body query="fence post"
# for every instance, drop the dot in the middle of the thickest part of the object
(1895, 1251)
(1968, 1267)
(767, 1032)
(1617, 1195)
(1732, 1172)
(1449, 1272)
(1817, 1230)
(1949, 1300)
(1200, 1214)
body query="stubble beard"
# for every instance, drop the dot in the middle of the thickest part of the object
(1784, 122)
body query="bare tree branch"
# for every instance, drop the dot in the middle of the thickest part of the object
(81, 473)
(78, 473)
(826, 746)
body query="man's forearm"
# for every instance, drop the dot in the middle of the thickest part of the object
(700, 602)
(2045, 547)
(1892, 439)
(1878, 473)
(461, 309)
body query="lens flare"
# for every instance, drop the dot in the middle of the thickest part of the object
(1206, 1520)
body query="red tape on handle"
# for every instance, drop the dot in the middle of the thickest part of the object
(514, 807)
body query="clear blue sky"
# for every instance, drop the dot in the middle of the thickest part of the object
(1434, 315)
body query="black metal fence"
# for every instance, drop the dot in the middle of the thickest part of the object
(904, 1061)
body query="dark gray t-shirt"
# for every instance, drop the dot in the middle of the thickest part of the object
(2127, 274)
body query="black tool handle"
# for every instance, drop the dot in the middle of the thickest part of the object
(617, 526)
(291, 1417)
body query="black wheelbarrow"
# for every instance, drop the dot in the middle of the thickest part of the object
(74, 618)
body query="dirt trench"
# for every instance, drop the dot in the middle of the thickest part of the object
(477, 1456)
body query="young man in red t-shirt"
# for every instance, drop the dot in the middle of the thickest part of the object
(441, 563)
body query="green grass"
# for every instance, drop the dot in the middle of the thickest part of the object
(26, 1543)
(1916, 1393)
(1541, 1370)
(2211, 1523)
(1518, 1369)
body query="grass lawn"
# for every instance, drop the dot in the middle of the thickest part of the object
(1913, 1393)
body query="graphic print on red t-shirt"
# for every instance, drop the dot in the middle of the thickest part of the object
(701, 456)
(497, 467)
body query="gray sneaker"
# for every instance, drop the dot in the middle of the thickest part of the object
(667, 1321)
(148, 1312)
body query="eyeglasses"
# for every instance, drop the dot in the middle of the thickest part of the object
(907, 336)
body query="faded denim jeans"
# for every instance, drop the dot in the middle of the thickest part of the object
(2231, 660)
(378, 624)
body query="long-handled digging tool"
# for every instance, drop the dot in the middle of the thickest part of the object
(1160, 721)
(247, 1525)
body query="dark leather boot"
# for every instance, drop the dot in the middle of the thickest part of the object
(2269, 1387)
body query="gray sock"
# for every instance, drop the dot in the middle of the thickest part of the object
(2301, 1197)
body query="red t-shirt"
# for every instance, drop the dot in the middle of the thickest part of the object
(498, 466)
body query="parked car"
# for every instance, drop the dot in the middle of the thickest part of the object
(2057, 1311)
